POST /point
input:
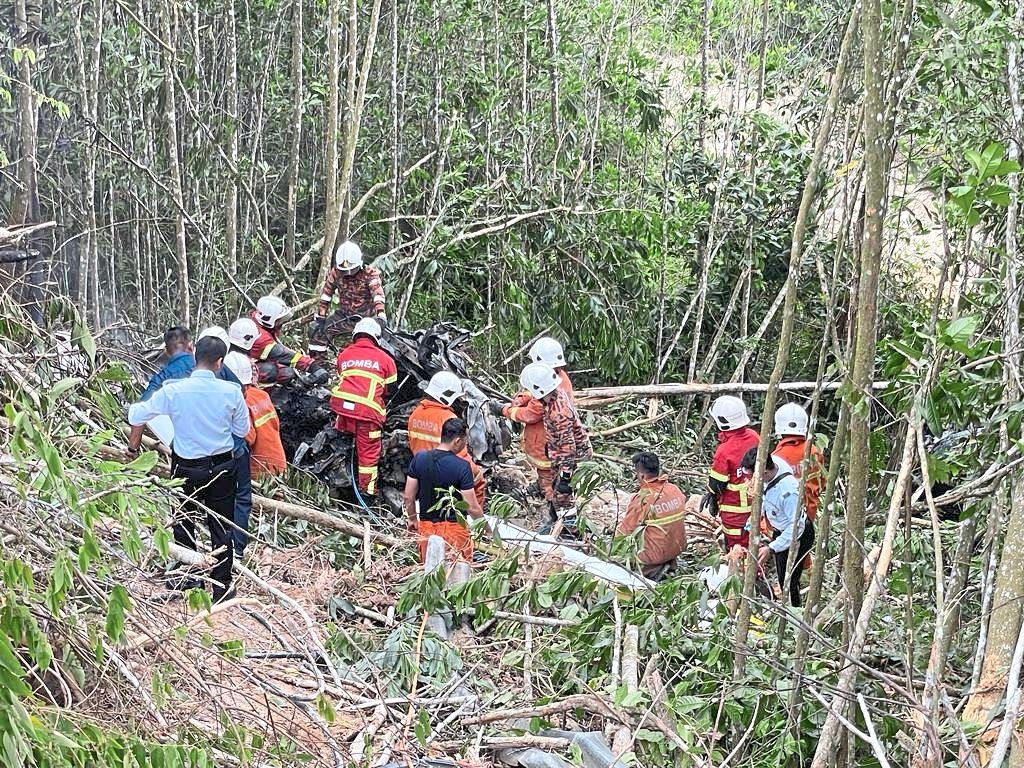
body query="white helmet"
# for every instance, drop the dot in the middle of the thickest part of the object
(539, 379)
(243, 333)
(217, 332)
(270, 310)
(240, 365)
(445, 387)
(791, 419)
(547, 351)
(368, 327)
(729, 413)
(349, 256)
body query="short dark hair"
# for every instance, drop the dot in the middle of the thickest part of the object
(749, 460)
(210, 349)
(452, 429)
(176, 336)
(648, 462)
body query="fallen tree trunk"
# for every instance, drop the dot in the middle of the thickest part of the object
(660, 390)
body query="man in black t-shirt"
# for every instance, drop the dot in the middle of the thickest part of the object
(433, 480)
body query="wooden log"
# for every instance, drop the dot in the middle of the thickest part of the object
(662, 390)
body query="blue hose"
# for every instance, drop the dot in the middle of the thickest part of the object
(355, 481)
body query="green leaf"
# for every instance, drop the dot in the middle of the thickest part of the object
(84, 340)
(118, 604)
(423, 729)
(144, 462)
(61, 387)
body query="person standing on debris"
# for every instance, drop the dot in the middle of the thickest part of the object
(179, 360)
(433, 479)
(206, 414)
(426, 421)
(358, 290)
(791, 428)
(659, 510)
(780, 501)
(727, 481)
(565, 438)
(366, 371)
(529, 411)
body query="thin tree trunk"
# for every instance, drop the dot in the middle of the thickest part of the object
(296, 141)
(786, 336)
(875, 152)
(231, 199)
(395, 132)
(170, 96)
(1005, 620)
(553, 48)
(331, 127)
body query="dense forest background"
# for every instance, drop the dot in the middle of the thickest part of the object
(697, 191)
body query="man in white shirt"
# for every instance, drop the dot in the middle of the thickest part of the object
(781, 493)
(206, 413)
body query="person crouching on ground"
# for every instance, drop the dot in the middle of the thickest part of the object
(658, 509)
(435, 480)
(780, 497)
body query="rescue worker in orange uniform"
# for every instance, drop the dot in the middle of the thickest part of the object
(565, 438)
(265, 455)
(529, 411)
(264, 438)
(659, 510)
(366, 371)
(359, 293)
(727, 495)
(425, 423)
(791, 428)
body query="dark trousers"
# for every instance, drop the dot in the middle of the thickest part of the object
(243, 497)
(804, 545)
(209, 481)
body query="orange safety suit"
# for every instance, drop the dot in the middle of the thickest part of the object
(529, 411)
(366, 371)
(659, 507)
(266, 454)
(791, 450)
(733, 501)
(566, 440)
(425, 424)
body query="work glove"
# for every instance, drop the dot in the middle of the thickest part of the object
(496, 408)
(317, 326)
(382, 317)
(709, 504)
(562, 483)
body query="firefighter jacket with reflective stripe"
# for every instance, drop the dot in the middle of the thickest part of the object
(659, 507)
(791, 450)
(264, 438)
(733, 502)
(529, 411)
(359, 294)
(267, 351)
(566, 438)
(365, 370)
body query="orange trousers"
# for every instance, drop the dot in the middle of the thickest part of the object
(367, 438)
(456, 537)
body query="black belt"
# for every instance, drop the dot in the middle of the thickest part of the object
(202, 461)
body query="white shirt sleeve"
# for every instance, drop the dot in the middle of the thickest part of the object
(141, 412)
(787, 510)
(240, 415)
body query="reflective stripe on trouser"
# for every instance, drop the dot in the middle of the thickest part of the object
(367, 441)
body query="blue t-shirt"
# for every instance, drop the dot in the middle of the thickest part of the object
(439, 472)
(179, 366)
